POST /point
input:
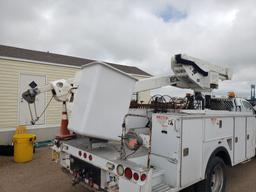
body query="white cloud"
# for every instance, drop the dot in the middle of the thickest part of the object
(222, 32)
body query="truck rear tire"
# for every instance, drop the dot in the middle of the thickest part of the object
(215, 177)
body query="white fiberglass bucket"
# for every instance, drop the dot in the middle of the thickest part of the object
(101, 101)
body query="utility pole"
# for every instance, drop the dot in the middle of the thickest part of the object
(252, 92)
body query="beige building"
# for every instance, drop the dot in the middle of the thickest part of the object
(19, 67)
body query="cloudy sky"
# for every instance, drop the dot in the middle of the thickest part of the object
(141, 33)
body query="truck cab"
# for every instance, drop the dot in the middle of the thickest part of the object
(243, 105)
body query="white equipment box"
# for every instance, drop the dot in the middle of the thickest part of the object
(108, 89)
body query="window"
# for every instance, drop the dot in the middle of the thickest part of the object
(247, 106)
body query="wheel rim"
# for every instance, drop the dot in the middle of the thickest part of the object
(217, 179)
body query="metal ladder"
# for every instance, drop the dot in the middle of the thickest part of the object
(158, 184)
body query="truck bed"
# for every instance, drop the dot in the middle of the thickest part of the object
(110, 152)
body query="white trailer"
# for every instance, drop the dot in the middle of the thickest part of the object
(155, 147)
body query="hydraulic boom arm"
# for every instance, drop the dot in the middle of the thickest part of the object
(61, 90)
(190, 73)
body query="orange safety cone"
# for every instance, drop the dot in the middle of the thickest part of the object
(64, 133)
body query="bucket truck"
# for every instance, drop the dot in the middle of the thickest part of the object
(163, 146)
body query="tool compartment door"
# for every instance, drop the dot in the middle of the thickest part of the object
(250, 137)
(192, 146)
(239, 140)
(218, 127)
(166, 145)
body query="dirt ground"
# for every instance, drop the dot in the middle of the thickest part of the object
(43, 175)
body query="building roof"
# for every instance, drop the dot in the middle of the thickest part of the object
(20, 53)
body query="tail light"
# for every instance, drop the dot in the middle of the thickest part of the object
(143, 177)
(90, 157)
(128, 173)
(85, 155)
(120, 170)
(80, 153)
(136, 176)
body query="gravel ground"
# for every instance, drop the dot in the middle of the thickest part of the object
(43, 175)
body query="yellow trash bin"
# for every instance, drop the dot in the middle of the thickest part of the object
(23, 147)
